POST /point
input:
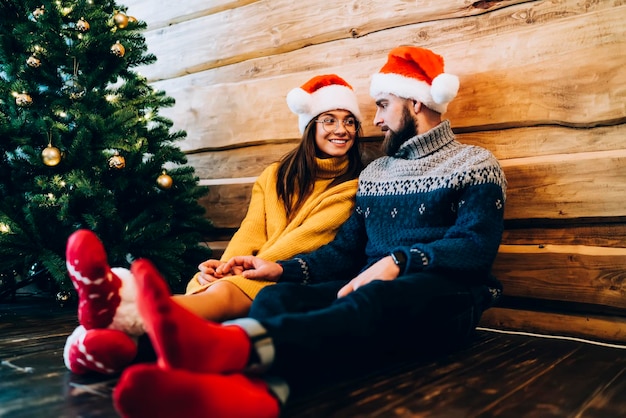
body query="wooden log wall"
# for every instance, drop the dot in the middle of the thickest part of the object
(543, 86)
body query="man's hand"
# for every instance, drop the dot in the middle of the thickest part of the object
(252, 267)
(383, 269)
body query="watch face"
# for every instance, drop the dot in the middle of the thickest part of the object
(399, 258)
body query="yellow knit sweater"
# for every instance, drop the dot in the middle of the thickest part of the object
(267, 233)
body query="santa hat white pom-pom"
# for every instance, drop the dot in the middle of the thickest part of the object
(299, 101)
(444, 88)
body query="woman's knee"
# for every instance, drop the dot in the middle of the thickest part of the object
(230, 299)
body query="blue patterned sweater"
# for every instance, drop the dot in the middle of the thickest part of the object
(437, 200)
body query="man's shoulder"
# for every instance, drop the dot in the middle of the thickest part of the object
(477, 154)
(377, 163)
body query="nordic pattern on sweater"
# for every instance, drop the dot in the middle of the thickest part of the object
(437, 200)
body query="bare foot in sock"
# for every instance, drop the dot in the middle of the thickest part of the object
(97, 286)
(106, 296)
(146, 390)
(181, 339)
(106, 302)
(104, 351)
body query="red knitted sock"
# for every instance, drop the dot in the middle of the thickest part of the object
(181, 339)
(105, 351)
(145, 390)
(97, 286)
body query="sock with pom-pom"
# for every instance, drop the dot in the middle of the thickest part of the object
(104, 351)
(106, 302)
(148, 391)
(106, 297)
(181, 339)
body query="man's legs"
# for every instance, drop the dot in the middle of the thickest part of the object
(410, 305)
(411, 316)
(293, 298)
(185, 343)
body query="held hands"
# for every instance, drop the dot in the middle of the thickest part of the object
(211, 270)
(255, 268)
(383, 269)
(252, 267)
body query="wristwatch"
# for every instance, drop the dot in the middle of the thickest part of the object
(399, 258)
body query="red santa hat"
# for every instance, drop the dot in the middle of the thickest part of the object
(416, 73)
(321, 94)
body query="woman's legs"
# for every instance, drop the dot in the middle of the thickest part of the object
(109, 351)
(106, 340)
(221, 301)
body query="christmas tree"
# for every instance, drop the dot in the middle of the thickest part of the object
(82, 145)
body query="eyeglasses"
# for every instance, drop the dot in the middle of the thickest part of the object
(330, 124)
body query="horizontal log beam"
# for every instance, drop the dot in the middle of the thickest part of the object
(596, 328)
(159, 14)
(277, 27)
(566, 186)
(572, 186)
(545, 81)
(582, 274)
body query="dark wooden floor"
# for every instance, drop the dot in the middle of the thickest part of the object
(498, 375)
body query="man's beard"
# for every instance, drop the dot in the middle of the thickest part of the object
(393, 140)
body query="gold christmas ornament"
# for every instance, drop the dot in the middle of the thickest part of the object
(132, 19)
(117, 161)
(23, 99)
(121, 20)
(33, 62)
(82, 25)
(118, 49)
(51, 156)
(164, 181)
(39, 11)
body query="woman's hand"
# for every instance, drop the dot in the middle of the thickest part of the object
(252, 267)
(209, 271)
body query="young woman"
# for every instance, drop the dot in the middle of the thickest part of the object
(297, 205)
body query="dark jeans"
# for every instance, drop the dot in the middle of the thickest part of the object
(423, 311)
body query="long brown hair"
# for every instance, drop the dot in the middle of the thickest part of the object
(297, 170)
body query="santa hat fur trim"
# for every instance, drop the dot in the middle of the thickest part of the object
(322, 94)
(416, 73)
